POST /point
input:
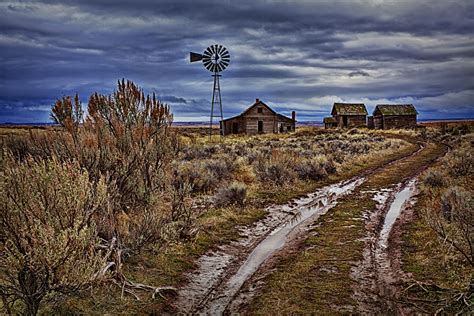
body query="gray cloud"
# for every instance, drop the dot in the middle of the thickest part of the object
(303, 56)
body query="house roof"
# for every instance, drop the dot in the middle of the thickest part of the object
(257, 103)
(396, 109)
(329, 119)
(349, 109)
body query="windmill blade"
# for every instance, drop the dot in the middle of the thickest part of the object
(219, 68)
(194, 57)
(224, 64)
(207, 63)
(209, 66)
(208, 51)
(220, 50)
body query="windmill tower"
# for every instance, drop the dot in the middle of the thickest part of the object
(215, 58)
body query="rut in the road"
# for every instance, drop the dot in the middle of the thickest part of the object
(221, 273)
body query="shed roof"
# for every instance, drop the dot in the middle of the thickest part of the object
(329, 119)
(396, 109)
(349, 109)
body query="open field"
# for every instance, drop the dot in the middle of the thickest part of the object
(217, 200)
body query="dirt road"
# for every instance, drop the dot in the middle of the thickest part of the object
(247, 271)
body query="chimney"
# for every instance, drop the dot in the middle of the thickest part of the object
(293, 116)
(257, 100)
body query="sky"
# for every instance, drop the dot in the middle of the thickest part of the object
(292, 55)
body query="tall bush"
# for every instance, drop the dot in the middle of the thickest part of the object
(47, 235)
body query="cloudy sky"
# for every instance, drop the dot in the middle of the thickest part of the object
(301, 56)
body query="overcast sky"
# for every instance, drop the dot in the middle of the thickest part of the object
(301, 56)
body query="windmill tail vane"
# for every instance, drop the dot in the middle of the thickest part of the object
(215, 58)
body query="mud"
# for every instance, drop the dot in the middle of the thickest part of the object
(378, 275)
(222, 273)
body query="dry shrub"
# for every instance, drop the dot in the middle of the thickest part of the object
(234, 194)
(461, 162)
(275, 168)
(452, 218)
(126, 136)
(310, 169)
(434, 178)
(48, 238)
(195, 173)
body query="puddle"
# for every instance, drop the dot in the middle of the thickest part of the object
(401, 197)
(306, 209)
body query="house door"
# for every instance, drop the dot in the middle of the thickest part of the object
(260, 126)
(235, 128)
(344, 121)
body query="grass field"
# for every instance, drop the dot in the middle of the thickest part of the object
(267, 169)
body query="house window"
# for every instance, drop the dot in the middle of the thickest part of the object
(260, 110)
(260, 126)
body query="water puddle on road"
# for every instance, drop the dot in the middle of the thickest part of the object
(401, 198)
(304, 210)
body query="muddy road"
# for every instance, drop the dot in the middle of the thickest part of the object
(221, 273)
(225, 278)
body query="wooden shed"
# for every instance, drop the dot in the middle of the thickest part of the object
(259, 118)
(388, 116)
(350, 114)
(329, 122)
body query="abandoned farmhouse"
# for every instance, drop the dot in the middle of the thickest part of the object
(259, 118)
(385, 116)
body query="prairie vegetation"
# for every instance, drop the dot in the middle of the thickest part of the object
(439, 242)
(113, 207)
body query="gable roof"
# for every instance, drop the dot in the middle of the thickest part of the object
(257, 103)
(396, 109)
(349, 109)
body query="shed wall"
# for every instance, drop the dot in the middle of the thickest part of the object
(399, 121)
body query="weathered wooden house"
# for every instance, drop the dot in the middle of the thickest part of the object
(388, 116)
(348, 115)
(329, 122)
(259, 118)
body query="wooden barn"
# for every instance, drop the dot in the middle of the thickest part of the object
(349, 115)
(388, 116)
(259, 118)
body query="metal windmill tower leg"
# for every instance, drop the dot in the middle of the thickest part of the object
(216, 100)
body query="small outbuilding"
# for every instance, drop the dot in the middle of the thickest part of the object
(387, 116)
(259, 118)
(329, 122)
(349, 114)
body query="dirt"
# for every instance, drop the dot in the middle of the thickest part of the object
(378, 275)
(221, 274)
(228, 278)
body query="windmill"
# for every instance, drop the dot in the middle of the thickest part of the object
(215, 58)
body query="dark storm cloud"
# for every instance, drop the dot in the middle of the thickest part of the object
(302, 56)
